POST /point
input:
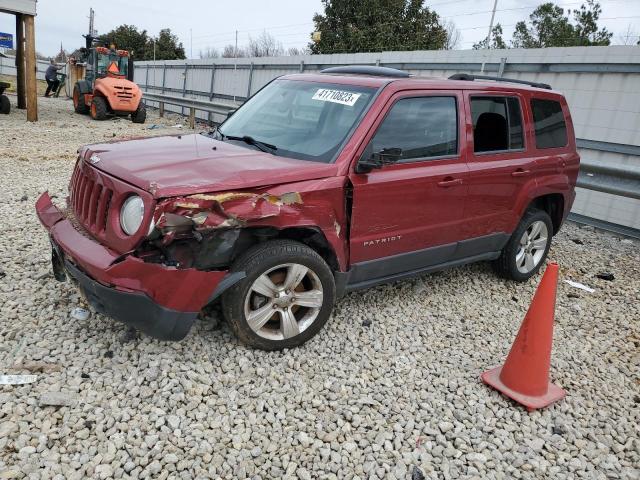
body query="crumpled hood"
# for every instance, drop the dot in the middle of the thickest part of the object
(187, 164)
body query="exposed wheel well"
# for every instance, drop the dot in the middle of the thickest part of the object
(553, 204)
(310, 236)
(314, 239)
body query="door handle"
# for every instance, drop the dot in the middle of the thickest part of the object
(520, 173)
(450, 182)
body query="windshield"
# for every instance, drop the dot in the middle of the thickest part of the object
(105, 60)
(304, 120)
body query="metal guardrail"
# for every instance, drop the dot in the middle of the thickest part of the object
(192, 104)
(621, 180)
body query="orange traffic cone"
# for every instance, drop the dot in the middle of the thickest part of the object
(525, 374)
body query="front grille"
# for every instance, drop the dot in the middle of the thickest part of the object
(90, 202)
(123, 92)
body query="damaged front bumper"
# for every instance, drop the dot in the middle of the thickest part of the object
(161, 301)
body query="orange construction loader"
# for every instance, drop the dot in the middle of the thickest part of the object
(107, 87)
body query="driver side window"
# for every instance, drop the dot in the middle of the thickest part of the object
(422, 127)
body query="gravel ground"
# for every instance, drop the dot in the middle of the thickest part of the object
(391, 385)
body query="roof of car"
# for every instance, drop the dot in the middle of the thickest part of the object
(435, 83)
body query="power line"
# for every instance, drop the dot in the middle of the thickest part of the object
(254, 30)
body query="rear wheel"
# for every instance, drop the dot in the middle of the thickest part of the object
(285, 299)
(5, 105)
(98, 108)
(528, 247)
(78, 101)
(140, 115)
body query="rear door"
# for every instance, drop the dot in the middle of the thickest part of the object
(501, 164)
(408, 215)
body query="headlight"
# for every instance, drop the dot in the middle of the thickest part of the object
(131, 214)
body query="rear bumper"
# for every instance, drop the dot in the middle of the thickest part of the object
(161, 301)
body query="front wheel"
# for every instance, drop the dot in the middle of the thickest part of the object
(285, 298)
(527, 249)
(140, 115)
(99, 108)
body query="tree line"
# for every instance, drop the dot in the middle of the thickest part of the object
(164, 46)
(346, 26)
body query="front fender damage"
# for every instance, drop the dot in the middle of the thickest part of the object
(234, 209)
(206, 231)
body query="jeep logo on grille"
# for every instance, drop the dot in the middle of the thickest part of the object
(94, 159)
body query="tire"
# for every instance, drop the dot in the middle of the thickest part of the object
(520, 261)
(5, 105)
(277, 261)
(140, 115)
(99, 108)
(78, 101)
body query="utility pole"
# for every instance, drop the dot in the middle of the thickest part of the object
(154, 61)
(91, 19)
(235, 64)
(493, 16)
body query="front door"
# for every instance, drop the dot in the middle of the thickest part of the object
(407, 216)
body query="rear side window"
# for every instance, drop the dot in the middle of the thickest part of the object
(551, 128)
(497, 124)
(422, 127)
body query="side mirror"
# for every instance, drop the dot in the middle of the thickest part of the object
(386, 156)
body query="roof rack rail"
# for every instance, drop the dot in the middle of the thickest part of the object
(469, 77)
(367, 70)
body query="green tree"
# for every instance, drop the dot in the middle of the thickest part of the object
(127, 37)
(497, 42)
(140, 44)
(167, 47)
(376, 25)
(586, 28)
(549, 27)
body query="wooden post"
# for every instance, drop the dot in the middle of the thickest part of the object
(161, 108)
(30, 69)
(22, 98)
(192, 118)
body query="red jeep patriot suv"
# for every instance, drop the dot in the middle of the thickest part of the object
(318, 185)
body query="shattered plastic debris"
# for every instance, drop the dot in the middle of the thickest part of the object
(417, 473)
(17, 379)
(80, 314)
(606, 276)
(580, 286)
(155, 126)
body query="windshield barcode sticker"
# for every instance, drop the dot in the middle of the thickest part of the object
(336, 96)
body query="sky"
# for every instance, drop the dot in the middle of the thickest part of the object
(212, 23)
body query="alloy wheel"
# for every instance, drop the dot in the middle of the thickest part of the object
(532, 247)
(283, 301)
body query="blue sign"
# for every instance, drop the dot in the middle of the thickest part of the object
(6, 40)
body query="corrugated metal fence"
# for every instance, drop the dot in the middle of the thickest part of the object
(8, 67)
(601, 84)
